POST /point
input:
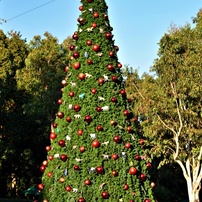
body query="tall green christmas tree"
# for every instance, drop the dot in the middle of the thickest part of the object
(96, 149)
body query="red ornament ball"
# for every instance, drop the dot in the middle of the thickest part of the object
(96, 47)
(123, 92)
(53, 136)
(126, 112)
(99, 128)
(42, 168)
(71, 94)
(89, 42)
(147, 200)
(80, 132)
(117, 139)
(77, 108)
(76, 167)
(63, 157)
(59, 101)
(114, 173)
(133, 171)
(81, 76)
(76, 55)
(105, 195)
(115, 156)
(87, 182)
(80, 20)
(72, 47)
(80, 8)
(99, 169)
(81, 200)
(95, 143)
(110, 67)
(68, 188)
(60, 115)
(61, 143)
(68, 119)
(76, 65)
(93, 90)
(49, 174)
(41, 186)
(125, 187)
(101, 81)
(95, 14)
(98, 109)
(88, 118)
(82, 149)
(75, 36)
(127, 145)
(108, 35)
(89, 62)
(48, 148)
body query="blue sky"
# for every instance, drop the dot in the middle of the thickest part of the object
(138, 24)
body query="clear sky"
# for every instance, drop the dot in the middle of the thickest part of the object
(138, 24)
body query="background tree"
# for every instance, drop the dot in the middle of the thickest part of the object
(96, 148)
(24, 100)
(169, 104)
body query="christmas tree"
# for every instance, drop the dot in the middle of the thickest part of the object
(96, 149)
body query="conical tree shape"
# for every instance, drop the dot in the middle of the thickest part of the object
(95, 151)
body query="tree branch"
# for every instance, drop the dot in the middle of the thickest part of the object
(139, 91)
(183, 169)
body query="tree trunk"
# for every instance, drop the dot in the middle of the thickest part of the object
(193, 194)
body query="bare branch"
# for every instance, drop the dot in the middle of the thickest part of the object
(139, 91)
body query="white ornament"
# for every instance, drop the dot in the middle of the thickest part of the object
(99, 54)
(123, 154)
(101, 30)
(88, 75)
(101, 98)
(105, 108)
(80, 30)
(72, 83)
(105, 156)
(93, 136)
(78, 160)
(92, 169)
(106, 77)
(89, 29)
(68, 138)
(75, 190)
(106, 143)
(74, 147)
(70, 106)
(56, 155)
(77, 116)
